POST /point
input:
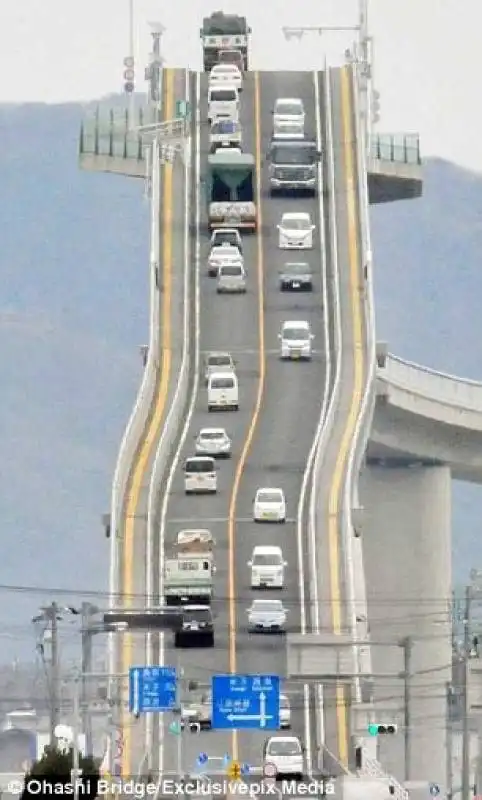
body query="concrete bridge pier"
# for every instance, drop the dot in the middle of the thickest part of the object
(407, 555)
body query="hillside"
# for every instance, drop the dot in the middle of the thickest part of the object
(74, 273)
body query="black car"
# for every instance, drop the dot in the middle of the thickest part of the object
(296, 277)
(197, 627)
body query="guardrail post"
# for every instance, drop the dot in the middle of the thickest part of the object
(381, 352)
(81, 139)
(111, 132)
(392, 149)
(96, 132)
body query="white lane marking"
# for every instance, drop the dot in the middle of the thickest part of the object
(198, 521)
(314, 597)
(195, 389)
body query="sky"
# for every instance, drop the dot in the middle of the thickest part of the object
(427, 55)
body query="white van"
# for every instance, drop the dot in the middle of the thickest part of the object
(200, 475)
(223, 391)
(223, 103)
(267, 567)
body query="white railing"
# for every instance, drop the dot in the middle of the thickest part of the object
(441, 387)
(137, 420)
(360, 440)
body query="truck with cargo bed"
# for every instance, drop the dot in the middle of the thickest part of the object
(224, 32)
(293, 167)
(231, 190)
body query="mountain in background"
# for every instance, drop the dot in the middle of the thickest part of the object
(73, 260)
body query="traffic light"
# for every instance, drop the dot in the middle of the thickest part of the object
(375, 729)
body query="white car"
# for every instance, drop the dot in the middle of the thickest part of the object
(223, 255)
(296, 340)
(267, 567)
(284, 712)
(287, 755)
(289, 109)
(226, 236)
(267, 616)
(226, 74)
(213, 442)
(296, 231)
(269, 505)
(217, 362)
(231, 279)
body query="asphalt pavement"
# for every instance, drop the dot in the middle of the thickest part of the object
(289, 396)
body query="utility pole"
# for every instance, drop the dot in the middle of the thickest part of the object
(466, 697)
(88, 631)
(449, 775)
(407, 645)
(50, 616)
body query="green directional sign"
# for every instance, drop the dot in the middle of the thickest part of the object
(175, 728)
(183, 108)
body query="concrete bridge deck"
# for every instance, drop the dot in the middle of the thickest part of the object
(427, 416)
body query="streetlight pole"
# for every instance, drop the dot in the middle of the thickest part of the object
(466, 697)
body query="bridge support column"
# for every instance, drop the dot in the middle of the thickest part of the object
(406, 543)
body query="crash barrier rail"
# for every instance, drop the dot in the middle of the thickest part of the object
(353, 544)
(431, 384)
(353, 548)
(174, 419)
(314, 517)
(403, 148)
(116, 133)
(138, 418)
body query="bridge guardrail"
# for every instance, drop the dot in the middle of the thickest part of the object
(401, 148)
(442, 387)
(138, 417)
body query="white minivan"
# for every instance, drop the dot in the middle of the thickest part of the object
(267, 567)
(200, 475)
(223, 103)
(223, 391)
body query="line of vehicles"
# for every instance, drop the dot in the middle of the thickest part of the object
(292, 163)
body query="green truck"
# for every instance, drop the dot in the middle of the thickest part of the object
(231, 190)
(221, 32)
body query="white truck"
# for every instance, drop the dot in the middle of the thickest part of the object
(188, 574)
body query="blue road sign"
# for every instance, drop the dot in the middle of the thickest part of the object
(245, 769)
(202, 759)
(246, 701)
(434, 789)
(152, 689)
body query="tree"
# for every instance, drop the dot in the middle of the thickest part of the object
(54, 772)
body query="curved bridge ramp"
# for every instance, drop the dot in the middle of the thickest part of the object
(428, 417)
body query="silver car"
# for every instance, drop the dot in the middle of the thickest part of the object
(267, 616)
(231, 279)
(213, 442)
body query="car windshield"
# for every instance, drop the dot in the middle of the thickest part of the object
(199, 465)
(230, 56)
(281, 747)
(295, 333)
(297, 269)
(269, 497)
(284, 702)
(226, 240)
(222, 95)
(219, 361)
(267, 606)
(296, 224)
(212, 434)
(264, 559)
(222, 383)
(288, 109)
(233, 270)
(201, 615)
(301, 156)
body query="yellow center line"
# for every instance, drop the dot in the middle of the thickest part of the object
(146, 448)
(259, 399)
(336, 493)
